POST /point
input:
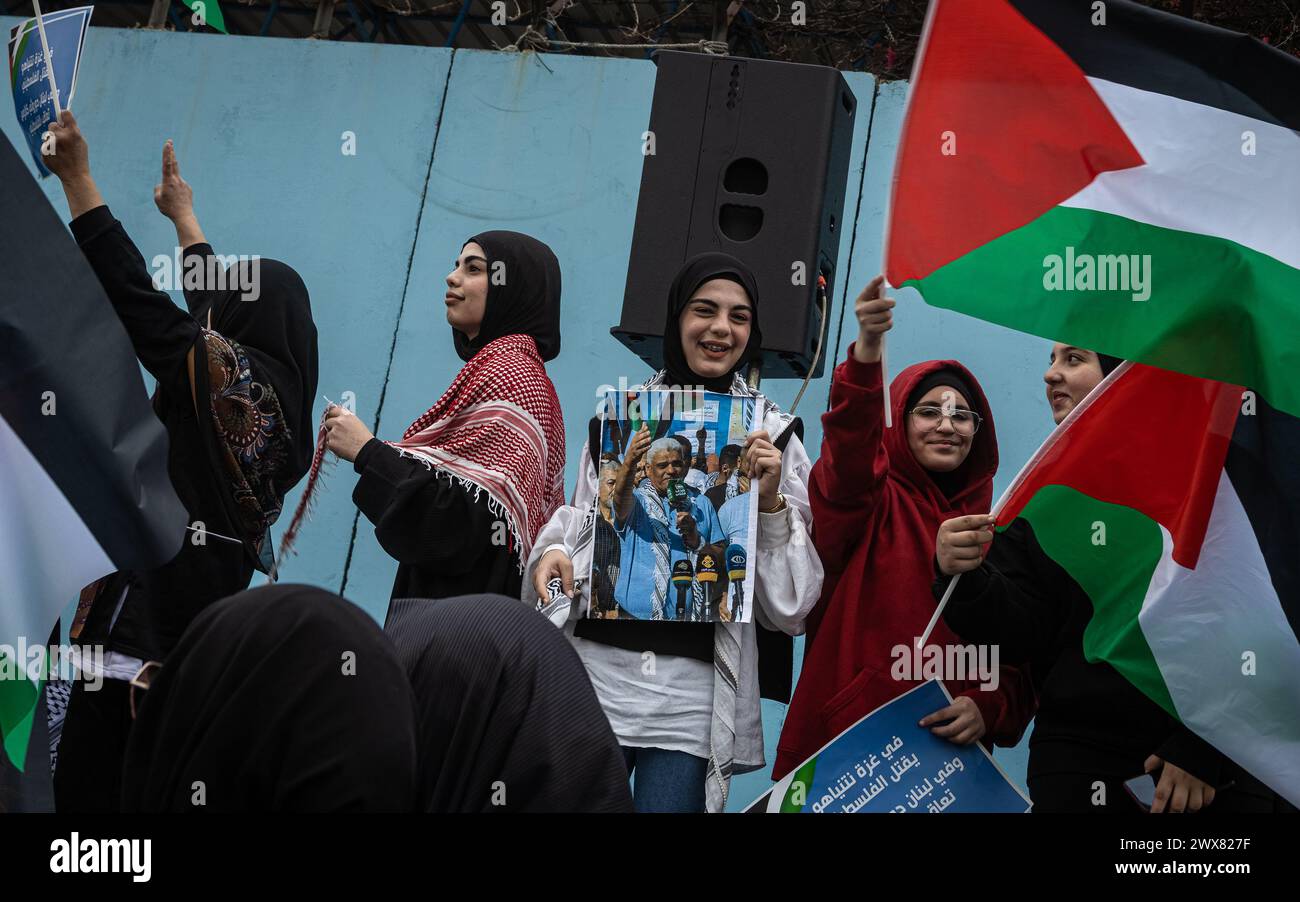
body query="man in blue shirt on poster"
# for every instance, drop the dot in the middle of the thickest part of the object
(661, 521)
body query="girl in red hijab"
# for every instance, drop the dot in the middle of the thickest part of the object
(877, 498)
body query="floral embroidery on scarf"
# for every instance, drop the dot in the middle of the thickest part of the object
(251, 430)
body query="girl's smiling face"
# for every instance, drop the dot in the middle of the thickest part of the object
(715, 327)
(941, 446)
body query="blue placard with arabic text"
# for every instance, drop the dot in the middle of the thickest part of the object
(29, 77)
(886, 763)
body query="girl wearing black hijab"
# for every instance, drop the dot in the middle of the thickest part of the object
(490, 452)
(236, 374)
(695, 721)
(506, 717)
(279, 699)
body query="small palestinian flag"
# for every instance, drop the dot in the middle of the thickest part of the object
(1110, 176)
(84, 489)
(1174, 503)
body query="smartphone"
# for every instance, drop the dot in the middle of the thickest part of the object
(1143, 790)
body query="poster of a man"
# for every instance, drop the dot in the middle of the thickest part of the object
(675, 558)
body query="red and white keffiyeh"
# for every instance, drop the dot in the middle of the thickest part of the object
(499, 429)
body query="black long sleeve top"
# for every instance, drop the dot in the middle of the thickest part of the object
(446, 541)
(159, 604)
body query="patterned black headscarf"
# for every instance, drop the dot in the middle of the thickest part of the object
(257, 388)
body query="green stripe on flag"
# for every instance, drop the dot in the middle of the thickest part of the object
(18, 696)
(1114, 575)
(1217, 309)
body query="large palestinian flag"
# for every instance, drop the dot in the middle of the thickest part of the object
(84, 488)
(1174, 503)
(1110, 176)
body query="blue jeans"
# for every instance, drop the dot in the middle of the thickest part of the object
(666, 782)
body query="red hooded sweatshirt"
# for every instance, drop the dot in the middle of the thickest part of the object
(875, 515)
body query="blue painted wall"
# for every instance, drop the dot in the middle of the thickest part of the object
(450, 143)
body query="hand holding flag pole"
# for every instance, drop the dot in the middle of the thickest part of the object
(1020, 477)
(873, 309)
(967, 524)
(959, 544)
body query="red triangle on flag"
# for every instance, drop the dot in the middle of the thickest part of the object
(1001, 126)
(1146, 438)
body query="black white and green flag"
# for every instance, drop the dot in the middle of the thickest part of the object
(84, 489)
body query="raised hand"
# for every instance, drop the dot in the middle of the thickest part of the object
(872, 309)
(175, 199)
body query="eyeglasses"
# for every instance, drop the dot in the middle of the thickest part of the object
(964, 422)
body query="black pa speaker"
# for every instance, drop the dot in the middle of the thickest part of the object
(750, 157)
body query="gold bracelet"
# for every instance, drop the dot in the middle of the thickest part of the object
(780, 505)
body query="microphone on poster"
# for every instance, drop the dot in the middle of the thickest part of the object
(736, 573)
(683, 576)
(706, 574)
(678, 498)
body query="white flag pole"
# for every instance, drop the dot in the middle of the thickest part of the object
(891, 199)
(938, 612)
(49, 63)
(884, 366)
